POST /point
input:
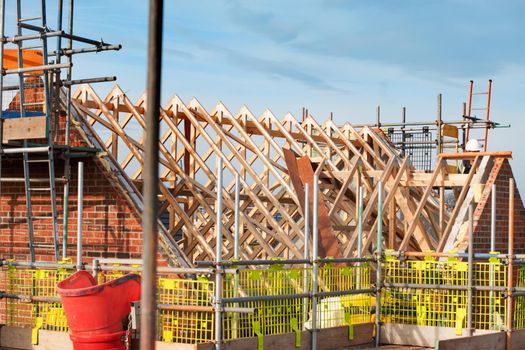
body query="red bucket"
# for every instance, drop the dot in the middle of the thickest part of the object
(95, 312)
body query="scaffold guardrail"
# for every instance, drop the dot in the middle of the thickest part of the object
(273, 300)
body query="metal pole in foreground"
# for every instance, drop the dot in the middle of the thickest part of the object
(439, 124)
(315, 263)
(492, 251)
(67, 166)
(2, 24)
(493, 220)
(470, 276)
(510, 277)
(218, 258)
(80, 209)
(378, 114)
(236, 252)
(379, 249)
(306, 248)
(403, 132)
(360, 221)
(360, 192)
(148, 313)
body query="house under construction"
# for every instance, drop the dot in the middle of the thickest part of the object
(274, 231)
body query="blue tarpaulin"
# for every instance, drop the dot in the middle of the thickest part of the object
(16, 114)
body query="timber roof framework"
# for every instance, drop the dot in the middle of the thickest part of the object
(274, 158)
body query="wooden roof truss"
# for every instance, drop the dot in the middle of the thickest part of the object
(192, 138)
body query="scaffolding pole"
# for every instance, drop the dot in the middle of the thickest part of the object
(148, 307)
(315, 260)
(379, 253)
(510, 271)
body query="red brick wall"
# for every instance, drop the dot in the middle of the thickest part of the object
(110, 226)
(483, 211)
(33, 92)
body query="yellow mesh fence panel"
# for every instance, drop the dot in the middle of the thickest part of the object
(519, 302)
(179, 326)
(441, 307)
(36, 314)
(273, 316)
(345, 309)
(191, 320)
(293, 315)
(186, 326)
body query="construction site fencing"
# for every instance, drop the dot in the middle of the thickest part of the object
(519, 301)
(282, 299)
(35, 303)
(278, 299)
(435, 293)
(186, 305)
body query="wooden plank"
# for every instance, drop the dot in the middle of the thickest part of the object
(15, 337)
(51, 340)
(427, 336)
(328, 339)
(24, 128)
(392, 225)
(495, 341)
(518, 339)
(159, 345)
(471, 155)
(20, 338)
(328, 243)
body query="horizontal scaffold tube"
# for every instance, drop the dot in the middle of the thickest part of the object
(195, 308)
(296, 296)
(281, 262)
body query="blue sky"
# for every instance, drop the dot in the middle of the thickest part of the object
(344, 57)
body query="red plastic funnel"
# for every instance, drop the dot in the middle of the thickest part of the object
(95, 312)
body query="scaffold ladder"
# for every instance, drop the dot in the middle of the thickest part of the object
(486, 109)
(26, 151)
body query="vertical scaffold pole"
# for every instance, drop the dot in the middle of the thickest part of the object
(470, 276)
(439, 123)
(236, 249)
(510, 278)
(2, 29)
(2, 25)
(306, 249)
(360, 193)
(379, 252)
(67, 166)
(237, 213)
(80, 210)
(493, 220)
(378, 115)
(218, 258)
(403, 132)
(148, 301)
(492, 251)
(315, 261)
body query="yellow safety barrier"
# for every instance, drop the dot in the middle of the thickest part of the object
(186, 325)
(186, 314)
(34, 314)
(519, 302)
(443, 307)
(273, 316)
(279, 316)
